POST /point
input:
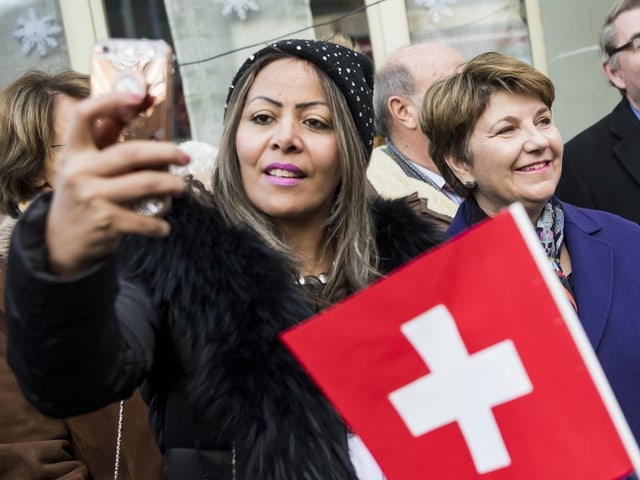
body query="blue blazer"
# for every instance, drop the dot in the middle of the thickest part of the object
(605, 260)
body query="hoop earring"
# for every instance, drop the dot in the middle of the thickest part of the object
(470, 184)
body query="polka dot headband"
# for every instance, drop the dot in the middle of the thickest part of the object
(351, 71)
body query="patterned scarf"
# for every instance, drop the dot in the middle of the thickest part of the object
(550, 230)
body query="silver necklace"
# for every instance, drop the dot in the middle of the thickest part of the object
(116, 468)
(312, 279)
(233, 459)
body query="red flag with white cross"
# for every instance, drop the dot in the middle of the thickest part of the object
(470, 363)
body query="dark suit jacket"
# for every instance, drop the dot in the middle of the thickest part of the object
(601, 166)
(604, 251)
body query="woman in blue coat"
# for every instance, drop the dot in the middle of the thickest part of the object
(492, 136)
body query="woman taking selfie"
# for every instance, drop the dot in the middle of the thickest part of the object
(195, 315)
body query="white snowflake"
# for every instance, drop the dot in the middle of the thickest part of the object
(438, 8)
(240, 6)
(36, 33)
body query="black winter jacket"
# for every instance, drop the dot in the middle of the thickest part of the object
(195, 319)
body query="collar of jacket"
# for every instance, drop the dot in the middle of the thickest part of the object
(390, 181)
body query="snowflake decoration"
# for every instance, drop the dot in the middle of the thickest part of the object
(438, 8)
(240, 6)
(36, 33)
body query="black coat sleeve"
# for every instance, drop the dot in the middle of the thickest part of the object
(75, 344)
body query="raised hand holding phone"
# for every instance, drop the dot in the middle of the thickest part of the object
(143, 67)
(99, 179)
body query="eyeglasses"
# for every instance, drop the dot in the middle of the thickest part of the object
(634, 44)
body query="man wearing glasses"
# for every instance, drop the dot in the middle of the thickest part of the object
(601, 166)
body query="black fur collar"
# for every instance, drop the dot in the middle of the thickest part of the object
(225, 297)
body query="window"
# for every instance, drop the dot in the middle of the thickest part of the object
(33, 38)
(472, 26)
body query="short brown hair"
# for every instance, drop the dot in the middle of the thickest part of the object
(26, 130)
(453, 105)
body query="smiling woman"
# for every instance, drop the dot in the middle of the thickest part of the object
(517, 154)
(493, 139)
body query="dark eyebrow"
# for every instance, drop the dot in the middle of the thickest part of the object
(542, 110)
(279, 104)
(266, 99)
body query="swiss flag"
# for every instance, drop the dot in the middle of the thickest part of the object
(470, 363)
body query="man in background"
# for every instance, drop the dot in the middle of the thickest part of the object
(601, 166)
(402, 167)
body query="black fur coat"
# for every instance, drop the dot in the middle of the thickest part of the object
(225, 297)
(198, 319)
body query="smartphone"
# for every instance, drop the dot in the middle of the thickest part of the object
(128, 65)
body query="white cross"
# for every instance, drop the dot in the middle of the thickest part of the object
(460, 388)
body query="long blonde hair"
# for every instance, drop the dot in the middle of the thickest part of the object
(350, 238)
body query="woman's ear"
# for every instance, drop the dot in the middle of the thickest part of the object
(460, 169)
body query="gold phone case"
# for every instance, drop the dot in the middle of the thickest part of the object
(123, 65)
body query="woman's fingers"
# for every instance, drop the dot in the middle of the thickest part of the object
(98, 121)
(122, 158)
(130, 187)
(95, 186)
(75, 246)
(109, 130)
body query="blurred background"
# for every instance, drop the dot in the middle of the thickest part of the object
(212, 38)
